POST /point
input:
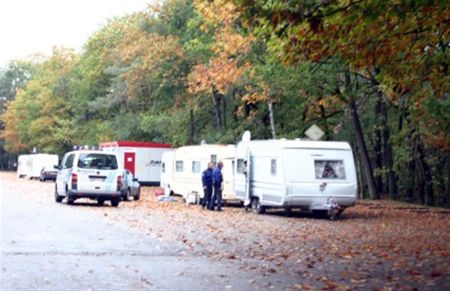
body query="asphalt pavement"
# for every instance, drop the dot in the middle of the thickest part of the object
(52, 246)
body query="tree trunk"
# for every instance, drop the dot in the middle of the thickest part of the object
(325, 120)
(216, 103)
(361, 185)
(272, 119)
(426, 187)
(224, 113)
(359, 136)
(192, 136)
(388, 155)
(377, 147)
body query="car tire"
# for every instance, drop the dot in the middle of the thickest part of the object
(115, 202)
(70, 198)
(127, 195)
(138, 194)
(58, 199)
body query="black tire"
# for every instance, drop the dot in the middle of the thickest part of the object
(258, 207)
(70, 198)
(138, 195)
(115, 202)
(288, 210)
(100, 202)
(58, 199)
(127, 195)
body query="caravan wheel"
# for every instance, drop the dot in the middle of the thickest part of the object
(258, 207)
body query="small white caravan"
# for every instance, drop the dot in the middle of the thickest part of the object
(32, 165)
(143, 159)
(182, 169)
(22, 162)
(312, 175)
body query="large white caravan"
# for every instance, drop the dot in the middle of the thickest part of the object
(143, 159)
(32, 165)
(167, 171)
(183, 169)
(312, 175)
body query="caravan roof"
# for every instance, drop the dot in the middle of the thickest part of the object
(136, 144)
(225, 150)
(300, 144)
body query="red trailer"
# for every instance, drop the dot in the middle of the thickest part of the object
(143, 159)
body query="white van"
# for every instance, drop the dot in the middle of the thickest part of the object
(89, 174)
(312, 175)
(182, 169)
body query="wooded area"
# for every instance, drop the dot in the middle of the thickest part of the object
(374, 73)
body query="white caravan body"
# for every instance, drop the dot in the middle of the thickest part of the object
(22, 162)
(188, 163)
(143, 159)
(167, 171)
(36, 162)
(312, 175)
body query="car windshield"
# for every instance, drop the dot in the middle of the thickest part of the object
(97, 161)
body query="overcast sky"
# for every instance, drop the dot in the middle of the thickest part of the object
(35, 26)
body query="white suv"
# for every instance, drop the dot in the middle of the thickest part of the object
(89, 174)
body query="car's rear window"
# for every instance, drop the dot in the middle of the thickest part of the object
(97, 161)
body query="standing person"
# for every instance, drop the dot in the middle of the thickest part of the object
(207, 182)
(217, 187)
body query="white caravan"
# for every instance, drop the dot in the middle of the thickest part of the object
(22, 162)
(312, 175)
(32, 165)
(143, 159)
(183, 169)
(166, 171)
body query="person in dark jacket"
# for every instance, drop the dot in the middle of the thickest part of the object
(217, 187)
(207, 182)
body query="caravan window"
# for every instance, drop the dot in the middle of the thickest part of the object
(179, 166)
(273, 167)
(240, 166)
(329, 169)
(195, 166)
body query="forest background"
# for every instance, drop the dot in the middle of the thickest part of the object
(370, 72)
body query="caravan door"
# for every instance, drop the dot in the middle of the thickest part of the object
(129, 163)
(247, 172)
(239, 179)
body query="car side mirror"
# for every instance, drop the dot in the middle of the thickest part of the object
(56, 167)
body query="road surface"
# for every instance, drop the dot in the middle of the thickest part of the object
(50, 246)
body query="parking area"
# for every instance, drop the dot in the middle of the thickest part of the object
(374, 244)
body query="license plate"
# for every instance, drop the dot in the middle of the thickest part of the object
(97, 179)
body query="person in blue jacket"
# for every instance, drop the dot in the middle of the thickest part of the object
(217, 187)
(207, 182)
